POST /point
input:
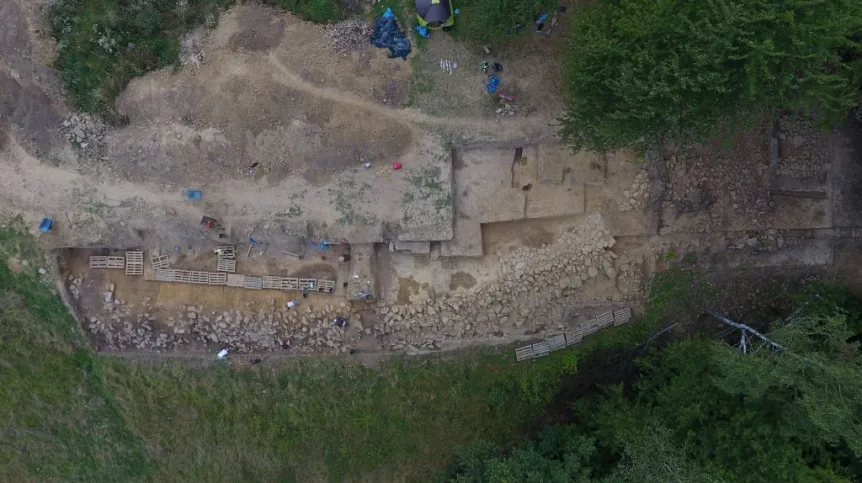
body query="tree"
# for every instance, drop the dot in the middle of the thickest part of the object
(638, 72)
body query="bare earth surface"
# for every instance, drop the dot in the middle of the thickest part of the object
(492, 231)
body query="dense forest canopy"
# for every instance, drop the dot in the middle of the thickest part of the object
(638, 72)
(702, 409)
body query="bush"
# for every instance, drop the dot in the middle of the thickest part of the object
(641, 71)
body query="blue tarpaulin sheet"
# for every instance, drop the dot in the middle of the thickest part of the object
(194, 195)
(388, 35)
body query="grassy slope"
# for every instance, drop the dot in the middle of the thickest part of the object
(57, 419)
(70, 414)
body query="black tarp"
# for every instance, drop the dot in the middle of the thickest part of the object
(387, 34)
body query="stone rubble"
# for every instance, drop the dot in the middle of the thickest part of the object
(637, 195)
(86, 132)
(534, 284)
(349, 35)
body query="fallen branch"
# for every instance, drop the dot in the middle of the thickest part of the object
(743, 327)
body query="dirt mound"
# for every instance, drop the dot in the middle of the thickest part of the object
(258, 30)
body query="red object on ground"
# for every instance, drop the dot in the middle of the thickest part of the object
(396, 165)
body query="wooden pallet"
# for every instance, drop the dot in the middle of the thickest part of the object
(556, 342)
(524, 353)
(289, 283)
(326, 286)
(107, 262)
(234, 280)
(574, 335)
(226, 265)
(226, 252)
(541, 349)
(134, 262)
(160, 262)
(217, 278)
(605, 320)
(622, 316)
(307, 284)
(253, 283)
(589, 326)
(271, 283)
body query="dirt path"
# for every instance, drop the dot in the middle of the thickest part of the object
(502, 130)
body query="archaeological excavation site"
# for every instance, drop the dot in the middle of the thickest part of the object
(259, 200)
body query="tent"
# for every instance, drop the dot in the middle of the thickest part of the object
(435, 14)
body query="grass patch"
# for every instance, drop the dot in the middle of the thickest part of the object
(59, 422)
(104, 44)
(70, 414)
(493, 21)
(318, 11)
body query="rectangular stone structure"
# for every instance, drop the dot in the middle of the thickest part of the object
(622, 316)
(134, 262)
(107, 262)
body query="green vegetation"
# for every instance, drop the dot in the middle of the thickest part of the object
(319, 11)
(674, 409)
(59, 420)
(493, 21)
(104, 44)
(701, 410)
(638, 72)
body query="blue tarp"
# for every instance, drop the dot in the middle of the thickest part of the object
(387, 34)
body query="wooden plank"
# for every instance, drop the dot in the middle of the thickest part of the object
(524, 353)
(556, 342)
(289, 283)
(622, 316)
(307, 283)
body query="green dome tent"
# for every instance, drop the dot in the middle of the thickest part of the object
(435, 14)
